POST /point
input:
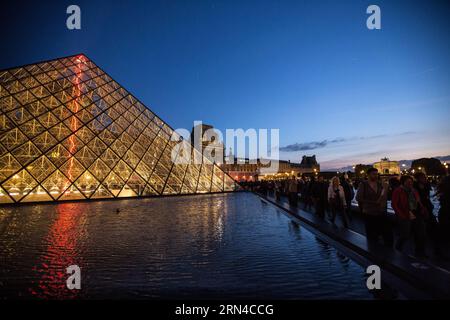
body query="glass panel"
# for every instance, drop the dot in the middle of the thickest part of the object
(175, 179)
(4, 197)
(48, 120)
(85, 156)
(19, 185)
(190, 179)
(113, 183)
(38, 194)
(229, 184)
(14, 86)
(217, 180)
(131, 159)
(99, 169)
(5, 123)
(19, 116)
(149, 191)
(72, 169)
(37, 108)
(25, 97)
(136, 183)
(41, 168)
(110, 158)
(87, 183)
(204, 182)
(56, 184)
(123, 170)
(32, 128)
(26, 153)
(97, 146)
(44, 141)
(9, 166)
(101, 192)
(8, 103)
(58, 155)
(60, 131)
(72, 193)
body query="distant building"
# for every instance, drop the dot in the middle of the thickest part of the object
(242, 169)
(309, 164)
(208, 146)
(246, 170)
(386, 166)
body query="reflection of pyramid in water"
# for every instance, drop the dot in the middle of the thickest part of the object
(68, 131)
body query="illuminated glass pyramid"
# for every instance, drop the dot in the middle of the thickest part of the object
(69, 131)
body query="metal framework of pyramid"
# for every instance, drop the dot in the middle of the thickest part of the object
(68, 131)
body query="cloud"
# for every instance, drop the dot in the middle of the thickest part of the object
(307, 146)
(322, 144)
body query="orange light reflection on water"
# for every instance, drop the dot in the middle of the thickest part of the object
(62, 252)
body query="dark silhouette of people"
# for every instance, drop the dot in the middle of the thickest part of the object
(319, 195)
(349, 194)
(372, 200)
(292, 191)
(423, 188)
(444, 212)
(337, 202)
(411, 215)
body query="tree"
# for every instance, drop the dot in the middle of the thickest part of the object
(361, 169)
(430, 166)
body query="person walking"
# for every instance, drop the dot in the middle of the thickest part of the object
(372, 200)
(423, 188)
(319, 193)
(411, 215)
(336, 199)
(308, 198)
(292, 191)
(278, 188)
(349, 194)
(444, 214)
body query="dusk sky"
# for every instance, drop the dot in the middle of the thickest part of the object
(309, 68)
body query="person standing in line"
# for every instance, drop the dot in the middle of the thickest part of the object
(292, 191)
(349, 194)
(394, 183)
(337, 201)
(411, 215)
(372, 200)
(278, 188)
(423, 188)
(444, 214)
(308, 194)
(319, 192)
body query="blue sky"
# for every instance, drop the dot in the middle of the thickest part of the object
(310, 68)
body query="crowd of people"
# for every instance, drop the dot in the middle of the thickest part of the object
(410, 198)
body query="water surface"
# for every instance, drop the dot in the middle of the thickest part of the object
(203, 246)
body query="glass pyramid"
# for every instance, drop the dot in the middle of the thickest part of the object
(68, 131)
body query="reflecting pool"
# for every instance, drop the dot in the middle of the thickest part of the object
(203, 246)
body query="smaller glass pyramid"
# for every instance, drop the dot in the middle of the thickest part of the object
(68, 131)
